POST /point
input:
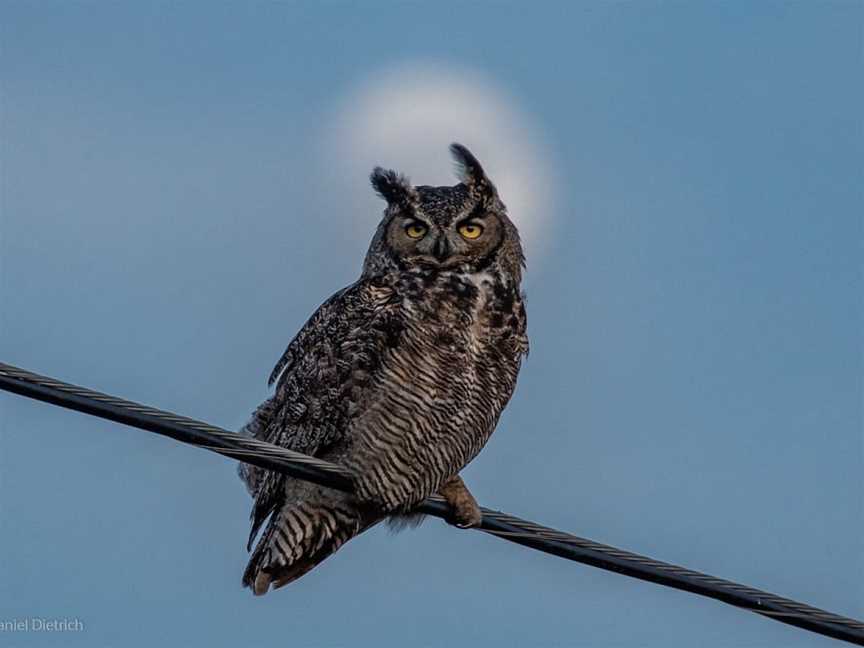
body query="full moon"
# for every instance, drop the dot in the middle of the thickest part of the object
(406, 117)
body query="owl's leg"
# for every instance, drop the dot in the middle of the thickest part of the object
(464, 511)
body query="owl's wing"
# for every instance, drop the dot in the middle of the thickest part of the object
(321, 379)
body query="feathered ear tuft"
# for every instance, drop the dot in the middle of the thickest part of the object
(470, 171)
(393, 187)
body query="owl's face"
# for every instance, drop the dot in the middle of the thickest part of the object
(463, 226)
(446, 227)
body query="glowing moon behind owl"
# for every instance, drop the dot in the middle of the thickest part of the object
(406, 117)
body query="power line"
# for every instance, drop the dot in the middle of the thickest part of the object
(502, 525)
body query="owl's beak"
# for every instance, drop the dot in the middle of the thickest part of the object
(442, 248)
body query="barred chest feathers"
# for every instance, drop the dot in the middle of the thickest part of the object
(455, 364)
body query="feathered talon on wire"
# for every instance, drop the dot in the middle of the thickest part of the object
(465, 513)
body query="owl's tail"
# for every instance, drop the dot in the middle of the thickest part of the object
(300, 535)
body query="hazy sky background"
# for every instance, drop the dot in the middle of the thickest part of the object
(183, 184)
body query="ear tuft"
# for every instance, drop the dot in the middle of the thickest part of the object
(393, 187)
(470, 171)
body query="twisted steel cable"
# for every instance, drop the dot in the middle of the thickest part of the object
(502, 525)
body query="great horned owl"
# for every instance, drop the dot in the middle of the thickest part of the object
(400, 377)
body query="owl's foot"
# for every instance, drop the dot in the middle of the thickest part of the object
(464, 510)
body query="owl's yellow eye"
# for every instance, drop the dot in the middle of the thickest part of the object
(471, 230)
(416, 230)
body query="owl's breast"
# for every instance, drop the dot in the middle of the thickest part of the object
(476, 315)
(442, 387)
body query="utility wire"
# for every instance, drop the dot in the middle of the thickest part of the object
(502, 525)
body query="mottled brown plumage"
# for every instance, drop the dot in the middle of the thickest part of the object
(401, 376)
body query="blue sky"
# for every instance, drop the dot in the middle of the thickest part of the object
(173, 208)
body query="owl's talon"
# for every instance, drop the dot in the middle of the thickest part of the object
(464, 511)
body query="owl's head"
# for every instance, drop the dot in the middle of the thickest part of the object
(441, 228)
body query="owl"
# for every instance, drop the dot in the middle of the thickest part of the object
(400, 377)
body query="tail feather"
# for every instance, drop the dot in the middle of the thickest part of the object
(299, 536)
